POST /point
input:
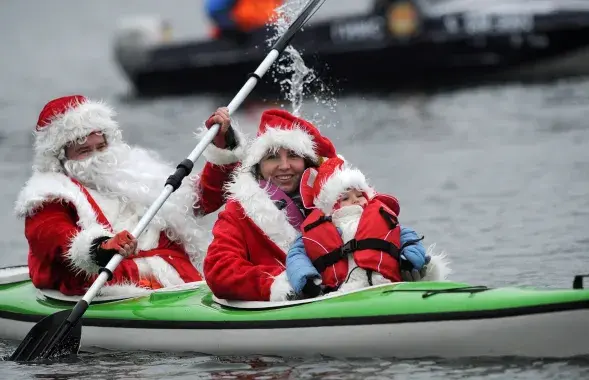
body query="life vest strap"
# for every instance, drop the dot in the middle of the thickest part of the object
(322, 219)
(369, 277)
(391, 219)
(352, 246)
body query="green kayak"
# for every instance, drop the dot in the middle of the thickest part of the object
(412, 319)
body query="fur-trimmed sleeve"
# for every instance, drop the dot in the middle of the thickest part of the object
(210, 187)
(220, 156)
(56, 240)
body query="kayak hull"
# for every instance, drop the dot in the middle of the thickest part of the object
(556, 334)
(405, 320)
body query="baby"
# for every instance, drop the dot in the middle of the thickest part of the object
(352, 239)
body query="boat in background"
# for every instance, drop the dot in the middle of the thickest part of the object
(399, 44)
(404, 320)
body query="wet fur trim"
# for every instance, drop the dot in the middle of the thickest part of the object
(280, 288)
(78, 254)
(297, 140)
(258, 206)
(77, 123)
(218, 156)
(337, 184)
(438, 269)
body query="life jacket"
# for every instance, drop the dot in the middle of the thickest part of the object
(375, 246)
(249, 15)
(240, 15)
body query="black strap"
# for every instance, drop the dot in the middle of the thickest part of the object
(411, 242)
(391, 219)
(322, 219)
(352, 246)
(369, 277)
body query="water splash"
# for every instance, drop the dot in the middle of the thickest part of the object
(295, 79)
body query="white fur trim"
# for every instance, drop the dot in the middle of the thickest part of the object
(159, 268)
(338, 183)
(46, 187)
(219, 156)
(258, 206)
(296, 139)
(78, 122)
(280, 288)
(438, 269)
(79, 252)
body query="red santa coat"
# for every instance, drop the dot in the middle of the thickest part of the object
(61, 222)
(250, 240)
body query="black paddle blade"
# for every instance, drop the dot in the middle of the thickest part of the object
(52, 337)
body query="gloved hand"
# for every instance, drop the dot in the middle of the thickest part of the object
(312, 288)
(225, 136)
(412, 248)
(122, 243)
(299, 268)
(104, 248)
(408, 273)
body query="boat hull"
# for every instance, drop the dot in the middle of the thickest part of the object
(406, 320)
(549, 335)
(360, 53)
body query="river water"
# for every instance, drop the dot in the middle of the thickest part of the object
(496, 176)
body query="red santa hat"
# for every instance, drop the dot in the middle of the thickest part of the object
(67, 119)
(321, 188)
(280, 129)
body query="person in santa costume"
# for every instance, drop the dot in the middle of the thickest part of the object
(89, 188)
(352, 239)
(264, 210)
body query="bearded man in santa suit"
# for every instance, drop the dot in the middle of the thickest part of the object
(89, 189)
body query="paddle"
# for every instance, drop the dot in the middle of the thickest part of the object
(59, 334)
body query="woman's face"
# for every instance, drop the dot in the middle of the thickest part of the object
(283, 169)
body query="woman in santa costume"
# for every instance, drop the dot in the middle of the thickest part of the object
(264, 211)
(353, 238)
(88, 189)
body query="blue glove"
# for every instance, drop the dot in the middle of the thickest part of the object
(299, 268)
(414, 252)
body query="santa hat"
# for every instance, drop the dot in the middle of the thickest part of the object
(321, 188)
(67, 119)
(280, 129)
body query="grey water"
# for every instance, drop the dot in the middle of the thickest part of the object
(496, 176)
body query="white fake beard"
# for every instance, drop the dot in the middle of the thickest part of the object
(137, 176)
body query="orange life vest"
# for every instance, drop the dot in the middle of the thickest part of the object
(253, 14)
(375, 246)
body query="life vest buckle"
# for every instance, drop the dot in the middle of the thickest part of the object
(349, 248)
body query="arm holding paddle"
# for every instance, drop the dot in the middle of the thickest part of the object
(222, 157)
(56, 241)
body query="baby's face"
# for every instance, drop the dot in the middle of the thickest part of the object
(352, 197)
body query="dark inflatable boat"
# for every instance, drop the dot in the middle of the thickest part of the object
(397, 44)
